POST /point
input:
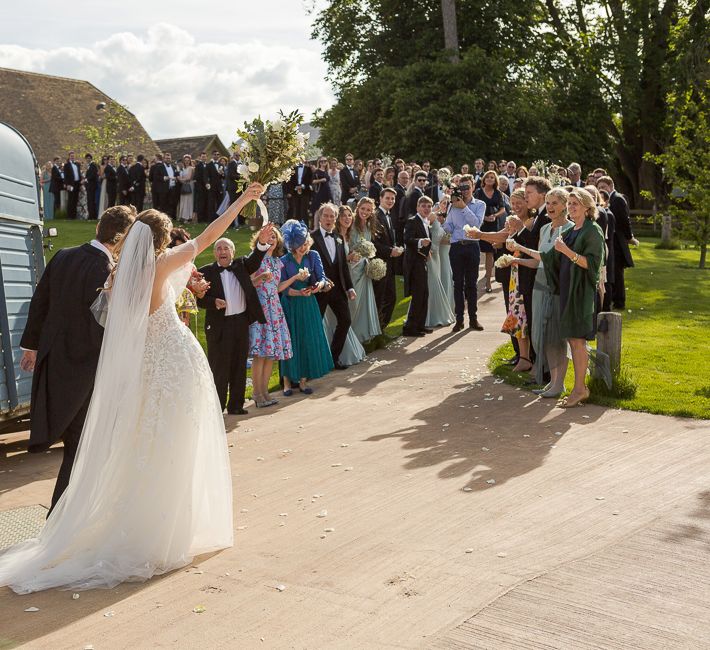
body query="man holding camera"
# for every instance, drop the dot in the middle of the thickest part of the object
(464, 254)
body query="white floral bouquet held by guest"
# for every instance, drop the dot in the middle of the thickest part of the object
(269, 152)
(365, 248)
(376, 268)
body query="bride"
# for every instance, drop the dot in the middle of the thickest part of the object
(151, 483)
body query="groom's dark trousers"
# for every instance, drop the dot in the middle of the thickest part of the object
(67, 339)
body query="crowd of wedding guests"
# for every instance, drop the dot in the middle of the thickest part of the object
(326, 284)
(558, 243)
(189, 190)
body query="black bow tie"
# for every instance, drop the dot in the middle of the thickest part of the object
(330, 234)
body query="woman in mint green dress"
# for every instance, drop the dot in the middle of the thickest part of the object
(311, 353)
(439, 308)
(363, 310)
(353, 352)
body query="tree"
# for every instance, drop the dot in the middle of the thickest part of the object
(623, 47)
(110, 135)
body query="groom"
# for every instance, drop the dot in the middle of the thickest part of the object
(62, 339)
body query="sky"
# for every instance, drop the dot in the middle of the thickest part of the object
(182, 67)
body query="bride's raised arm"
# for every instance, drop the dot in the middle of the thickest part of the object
(186, 252)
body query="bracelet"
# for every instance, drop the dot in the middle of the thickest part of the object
(575, 259)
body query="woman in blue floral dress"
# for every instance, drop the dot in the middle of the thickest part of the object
(269, 341)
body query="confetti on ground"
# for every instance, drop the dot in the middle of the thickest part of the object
(600, 498)
(75, 596)
(468, 489)
(260, 458)
(322, 513)
(283, 514)
(616, 512)
(280, 587)
(199, 609)
(348, 469)
(330, 530)
(32, 609)
(344, 444)
(491, 481)
(485, 449)
(469, 550)
(502, 555)
(109, 614)
(558, 433)
(337, 465)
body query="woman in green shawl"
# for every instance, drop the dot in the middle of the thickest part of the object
(573, 268)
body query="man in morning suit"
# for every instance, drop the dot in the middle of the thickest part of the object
(110, 176)
(298, 192)
(56, 184)
(417, 239)
(231, 305)
(72, 183)
(376, 185)
(62, 340)
(92, 184)
(623, 236)
(349, 180)
(201, 191)
(331, 248)
(385, 243)
(123, 182)
(136, 174)
(215, 174)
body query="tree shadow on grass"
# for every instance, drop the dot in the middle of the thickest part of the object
(475, 436)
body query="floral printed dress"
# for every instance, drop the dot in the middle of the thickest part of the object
(516, 323)
(272, 339)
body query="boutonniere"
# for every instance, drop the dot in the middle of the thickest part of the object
(339, 240)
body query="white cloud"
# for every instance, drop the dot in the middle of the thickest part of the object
(177, 86)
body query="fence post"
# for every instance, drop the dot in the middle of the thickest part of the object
(609, 339)
(666, 230)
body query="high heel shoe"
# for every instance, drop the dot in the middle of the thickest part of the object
(568, 403)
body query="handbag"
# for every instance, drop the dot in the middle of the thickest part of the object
(186, 188)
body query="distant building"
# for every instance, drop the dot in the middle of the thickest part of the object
(47, 110)
(194, 145)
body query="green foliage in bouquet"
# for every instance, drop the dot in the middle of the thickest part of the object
(269, 151)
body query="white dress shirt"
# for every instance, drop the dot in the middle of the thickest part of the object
(425, 222)
(169, 171)
(299, 175)
(233, 293)
(97, 244)
(75, 170)
(329, 243)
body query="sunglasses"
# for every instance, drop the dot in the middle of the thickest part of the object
(463, 188)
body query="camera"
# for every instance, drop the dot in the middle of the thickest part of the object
(458, 190)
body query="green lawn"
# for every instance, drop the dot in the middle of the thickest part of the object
(664, 342)
(74, 233)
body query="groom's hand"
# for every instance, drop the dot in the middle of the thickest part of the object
(28, 360)
(220, 304)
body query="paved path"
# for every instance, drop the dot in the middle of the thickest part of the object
(465, 514)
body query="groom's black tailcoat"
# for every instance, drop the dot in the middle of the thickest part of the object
(61, 327)
(338, 272)
(228, 336)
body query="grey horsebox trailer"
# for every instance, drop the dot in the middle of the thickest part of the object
(21, 265)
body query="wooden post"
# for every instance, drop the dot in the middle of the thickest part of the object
(666, 230)
(609, 339)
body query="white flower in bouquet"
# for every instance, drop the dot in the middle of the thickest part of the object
(444, 176)
(504, 260)
(376, 268)
(243, 170)
(270, 151)
(365, 249)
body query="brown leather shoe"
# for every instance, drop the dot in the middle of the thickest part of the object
(475, 325)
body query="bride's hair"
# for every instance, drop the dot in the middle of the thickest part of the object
(159, 224)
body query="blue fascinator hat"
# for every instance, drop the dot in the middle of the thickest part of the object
(294, 233)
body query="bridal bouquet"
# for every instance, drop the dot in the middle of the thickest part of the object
(269, 151)
(444, 176)
(376, 269)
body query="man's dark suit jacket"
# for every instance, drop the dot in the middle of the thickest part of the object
(623, 233)
(337, 272)
(415, 258)
(61, 327)
(530, 239)
(242, 267)
(347, 181)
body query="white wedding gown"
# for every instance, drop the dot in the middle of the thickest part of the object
(151, 483)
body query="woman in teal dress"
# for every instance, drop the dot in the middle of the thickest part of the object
(573, 270)
(447, 277)
(353, 352)
(311, 353)
(47, 197)
(550, 347)
(363, 310)
(439, 310)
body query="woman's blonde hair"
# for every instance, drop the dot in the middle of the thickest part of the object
(587, 200)
(559, 193)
